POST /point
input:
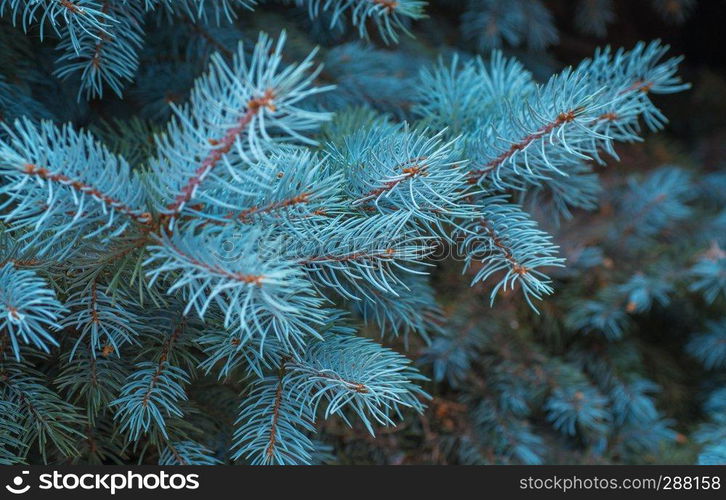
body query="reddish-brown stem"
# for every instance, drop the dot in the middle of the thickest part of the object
(94, 302)
(208, 37)
(562, 118)
(163, 359)
(388, 253)
(44, 173)
(640, 85)
(221, 147)
(410, 169)
(270, 451)
(636, 218)
(72, 7)
(251, 279)
(245, 216)
(506, 251)
(176, 454)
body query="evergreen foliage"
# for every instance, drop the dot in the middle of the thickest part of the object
(203, 224)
